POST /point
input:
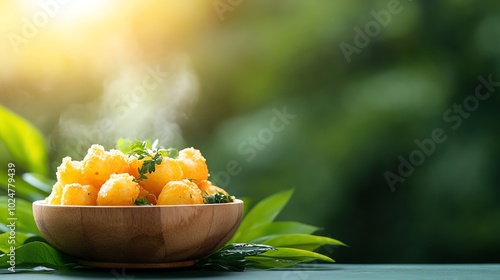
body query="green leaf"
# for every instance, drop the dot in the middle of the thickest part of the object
(266, 231)
(154, 146)
(263, 213)
(173, 153)
(283, 257)
(6, 242)
(217, 198)
(301, 241)
(143, 201)
(240, 250)
(38, 253)
(247, 202)
(39, 181)
(23, 212)
(232, 257)
(24, 142)
(33, 237)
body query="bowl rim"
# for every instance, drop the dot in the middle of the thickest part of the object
(43, 204)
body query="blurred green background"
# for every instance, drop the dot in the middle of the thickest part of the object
(219, 76)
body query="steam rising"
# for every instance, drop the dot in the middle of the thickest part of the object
(143, 101)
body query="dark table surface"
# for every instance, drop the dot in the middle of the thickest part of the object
(306, 272)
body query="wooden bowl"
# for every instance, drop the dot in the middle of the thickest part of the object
(138, 236)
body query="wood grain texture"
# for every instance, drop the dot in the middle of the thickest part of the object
(138, 234)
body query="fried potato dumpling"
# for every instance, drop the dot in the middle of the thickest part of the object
(114, 178)
(55, 195)
(168, 170)
(98, 164)
(215, 190)
(119, 189)
(77, 194)
(206, 187)
(193, 164)
(70, 171)
(180, 192)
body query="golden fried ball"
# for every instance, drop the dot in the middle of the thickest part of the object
(203, 185)
(180, 192)
(55, 195)
(70, 172)
(193, 164)
(206, 187)
(119, 189)
(77, 194)
(99, 164)
(168, 170)
(214, 190)
(108, 178)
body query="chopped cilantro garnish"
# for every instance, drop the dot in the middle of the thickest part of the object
(152, 156)
(217, 198)
(141, 201)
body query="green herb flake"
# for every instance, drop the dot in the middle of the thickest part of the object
(142, 201)
(217, 198)
(152, 156)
